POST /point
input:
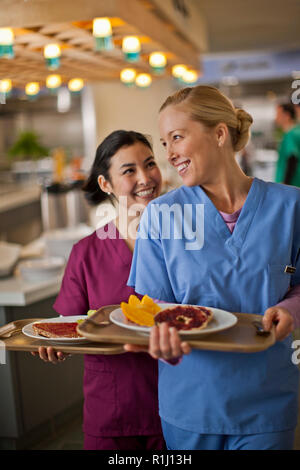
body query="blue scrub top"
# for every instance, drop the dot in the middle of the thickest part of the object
(244, 271)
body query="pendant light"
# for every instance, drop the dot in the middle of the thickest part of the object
(6, 43)
(178, 71)
(75, 85)
(143, 80)
(158, 62)
(5, 86)
(131, 48)
(190, 77)
(128, 76)
(52, 54)
(102, 33)
(53, 82)
(32, 89)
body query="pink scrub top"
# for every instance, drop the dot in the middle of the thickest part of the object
(120, 391)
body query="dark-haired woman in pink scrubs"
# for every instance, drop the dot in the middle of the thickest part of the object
(120, 391)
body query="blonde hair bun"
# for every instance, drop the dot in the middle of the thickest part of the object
(209, 106)
(244, 121)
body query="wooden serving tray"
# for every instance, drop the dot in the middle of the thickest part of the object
(242, 337)
(20, 342)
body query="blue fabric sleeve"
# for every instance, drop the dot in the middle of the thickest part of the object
(295, 279)
(149, 273)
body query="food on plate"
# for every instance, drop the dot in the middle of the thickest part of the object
(185, 317)
(139, 311)
(56, 329)
(89, 313)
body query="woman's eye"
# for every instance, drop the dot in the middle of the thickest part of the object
(164, 144)
(127, 172)
(152, 164)
(176, 137)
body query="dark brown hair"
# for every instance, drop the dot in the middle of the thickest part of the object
(104, 153)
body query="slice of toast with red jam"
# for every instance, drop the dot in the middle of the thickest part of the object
(185, 317)
(57, 329)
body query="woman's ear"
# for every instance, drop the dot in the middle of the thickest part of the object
(105, 185)
(221, 132)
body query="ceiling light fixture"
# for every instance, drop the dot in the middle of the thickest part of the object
(128, 76)
(53, 82)
(178, 71)
(143, 80)
(102, 32)
(5, 86)
(158, 62)
(131, 48)
(75, 85)
(52, 54)
(190, 77)
(6, 43)
(32, 89)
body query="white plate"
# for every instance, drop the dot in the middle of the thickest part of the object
(41, 269)
(221, 320)
(28, 330)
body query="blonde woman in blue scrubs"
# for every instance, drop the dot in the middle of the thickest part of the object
(245, 257)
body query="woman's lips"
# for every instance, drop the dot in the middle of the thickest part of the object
(182, 167)
(145, 193)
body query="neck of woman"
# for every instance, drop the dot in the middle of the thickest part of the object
(229, 188)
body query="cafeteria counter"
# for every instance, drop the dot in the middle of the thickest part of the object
(36, 397)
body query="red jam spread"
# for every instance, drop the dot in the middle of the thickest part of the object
(184, 317)
(66, 330)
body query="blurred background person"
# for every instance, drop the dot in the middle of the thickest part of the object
(297, 111)
(288, 164)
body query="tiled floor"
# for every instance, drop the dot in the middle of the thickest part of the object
(68, 437)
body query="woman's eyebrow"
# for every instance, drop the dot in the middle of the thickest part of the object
(149, 158)
(171, 132)
(127, 165)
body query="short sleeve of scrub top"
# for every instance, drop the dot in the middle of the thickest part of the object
(72, 298)
(150, 265)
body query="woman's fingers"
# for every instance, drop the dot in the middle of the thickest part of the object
(283, 320)
(154, 344)
(43, 353)
(165, 342)
(50, 355)
(135, 348)
(175, 343)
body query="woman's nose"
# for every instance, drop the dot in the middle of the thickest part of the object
(143, 177)
(171, 155)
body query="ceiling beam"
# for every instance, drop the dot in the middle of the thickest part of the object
(18, 13)
(133, 12)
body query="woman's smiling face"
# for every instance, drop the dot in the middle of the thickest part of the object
(190, 146)
(134, 174)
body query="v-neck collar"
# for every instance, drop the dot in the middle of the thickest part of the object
(235, 239)
(121, 247)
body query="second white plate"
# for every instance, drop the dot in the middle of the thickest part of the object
(29, 331)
